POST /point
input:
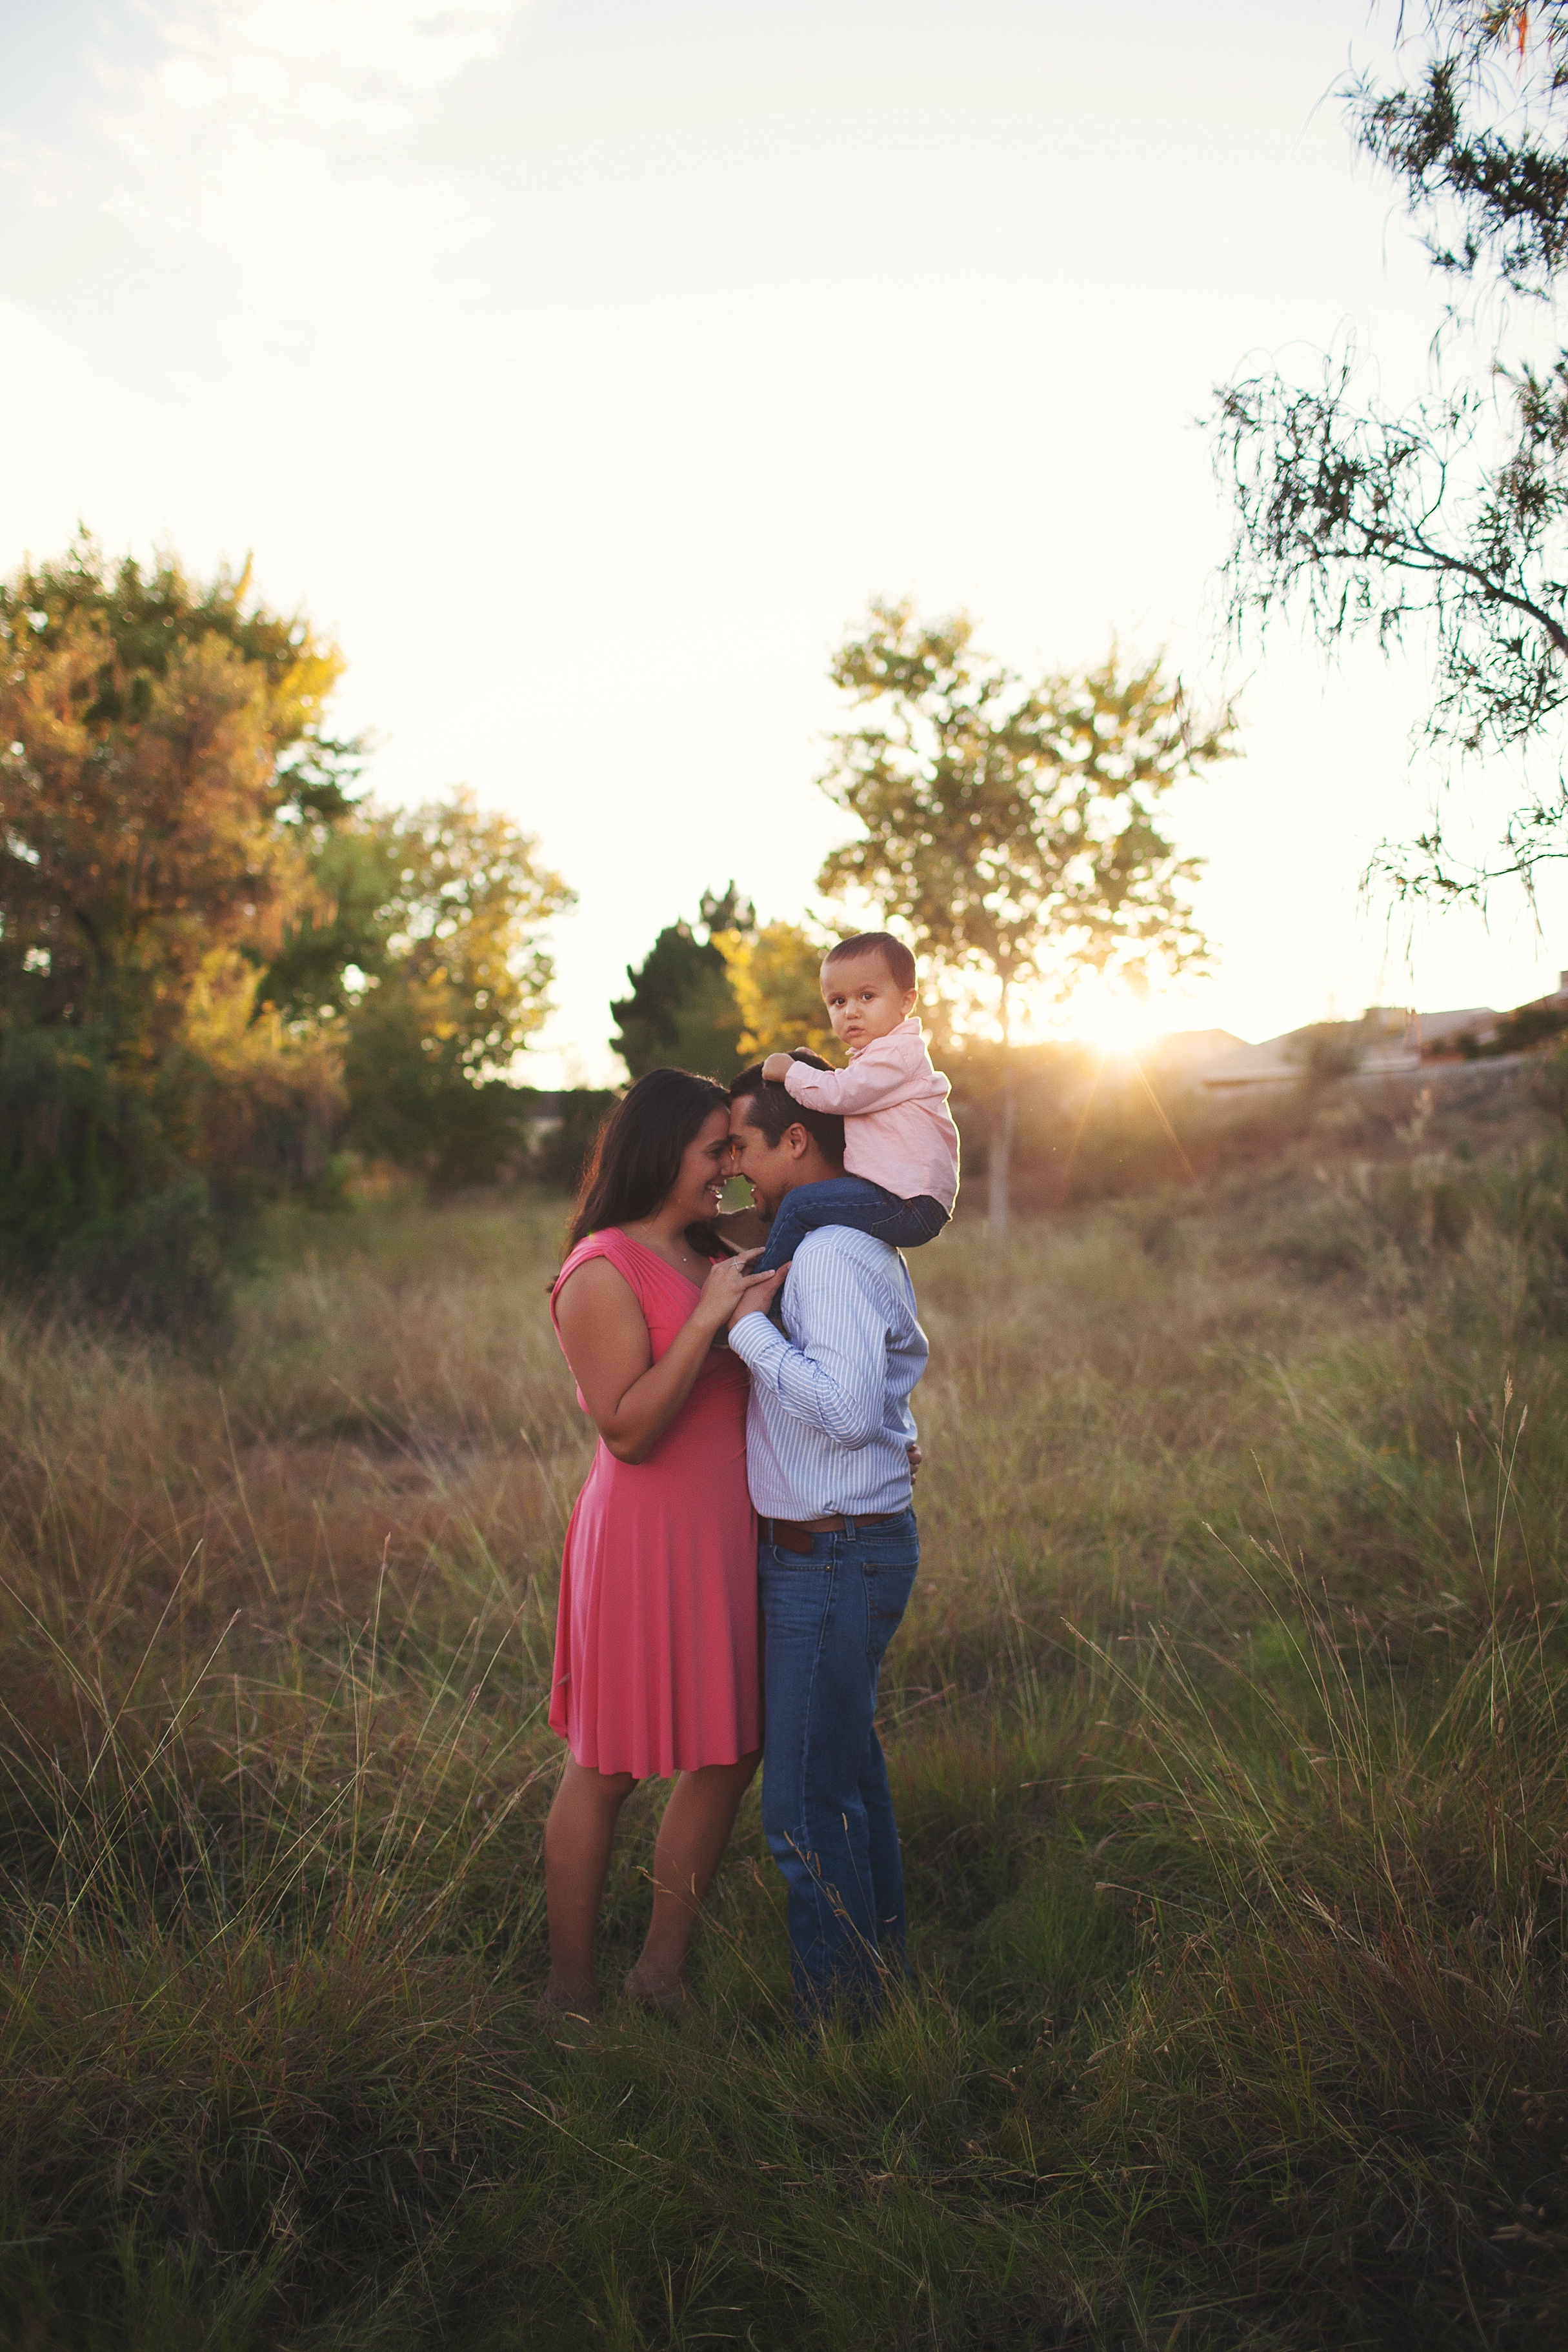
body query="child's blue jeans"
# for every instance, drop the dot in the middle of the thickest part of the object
(849, 1201)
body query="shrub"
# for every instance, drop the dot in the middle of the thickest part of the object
(161, 1261)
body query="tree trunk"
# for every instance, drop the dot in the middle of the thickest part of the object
(1001, 1168)
(1003, 1120)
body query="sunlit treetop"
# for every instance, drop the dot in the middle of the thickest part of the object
(142, 616)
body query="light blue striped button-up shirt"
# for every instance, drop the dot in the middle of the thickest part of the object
(829, 1419)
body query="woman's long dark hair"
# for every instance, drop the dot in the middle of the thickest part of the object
(637, 1153)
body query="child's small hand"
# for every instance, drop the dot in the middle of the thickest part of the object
(776, 1068)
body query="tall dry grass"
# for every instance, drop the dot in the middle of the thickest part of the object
(1226, 1731)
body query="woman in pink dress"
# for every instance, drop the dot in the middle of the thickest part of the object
(655, 1640)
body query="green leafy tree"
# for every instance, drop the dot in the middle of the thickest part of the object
(775, 973)
(1447, 522)
(419, 948)
(1012, 830)
(682, 1012)
(202, 930)
(155, 736)
(159, 743)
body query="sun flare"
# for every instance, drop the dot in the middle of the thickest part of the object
(1116, 1024)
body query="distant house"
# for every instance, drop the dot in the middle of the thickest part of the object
(1384, 1041)
(1439, 1034)
(1484, 1031)
(1185, 1049)
(1240, 1064)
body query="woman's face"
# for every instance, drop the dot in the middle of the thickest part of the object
(699, 1188)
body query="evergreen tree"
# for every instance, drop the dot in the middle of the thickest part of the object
(682, 1013)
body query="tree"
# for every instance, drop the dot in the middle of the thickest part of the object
(1450, 519)
(1012, 830)
(775, 973)
(418, 949)
(682, 1012)
(202, 928)
(160, 741)
(149, 726)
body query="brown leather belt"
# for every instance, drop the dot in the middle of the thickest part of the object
(796, 1535)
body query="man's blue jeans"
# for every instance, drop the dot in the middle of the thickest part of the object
(827, 1616)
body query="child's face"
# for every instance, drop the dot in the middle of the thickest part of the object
(863, 999)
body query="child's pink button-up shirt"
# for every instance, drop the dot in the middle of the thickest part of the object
(898, 1131)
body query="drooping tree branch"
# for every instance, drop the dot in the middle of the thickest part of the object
(1448, 522)
(1476, 141)
(1363, 522)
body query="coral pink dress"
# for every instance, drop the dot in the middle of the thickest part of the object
(656, 1639)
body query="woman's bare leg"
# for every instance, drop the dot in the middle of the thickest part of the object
(692, 1836)
(578, 1835)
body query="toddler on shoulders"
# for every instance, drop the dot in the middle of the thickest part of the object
(901, 1145)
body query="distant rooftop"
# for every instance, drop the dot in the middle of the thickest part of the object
(1388, 1038)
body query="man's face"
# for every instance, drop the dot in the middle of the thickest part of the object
(770, 1169)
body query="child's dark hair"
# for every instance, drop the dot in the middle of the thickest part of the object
(637, 1153)
(901, 963)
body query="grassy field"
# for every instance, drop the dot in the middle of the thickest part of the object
(1227, 1732)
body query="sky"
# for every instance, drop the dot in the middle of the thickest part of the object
(584, 367)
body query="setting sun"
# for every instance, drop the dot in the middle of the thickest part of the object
(1115, 1022)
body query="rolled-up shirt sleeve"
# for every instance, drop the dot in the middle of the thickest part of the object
(868, 1084)
(835, 1379)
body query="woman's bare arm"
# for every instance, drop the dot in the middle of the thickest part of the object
(633, 1399)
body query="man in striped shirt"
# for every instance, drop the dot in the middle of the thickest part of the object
(829, 1440)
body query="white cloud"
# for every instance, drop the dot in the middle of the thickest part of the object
(269, 137)
(305, 68)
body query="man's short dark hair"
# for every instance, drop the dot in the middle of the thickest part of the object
(895, 955)
(772, 1109)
